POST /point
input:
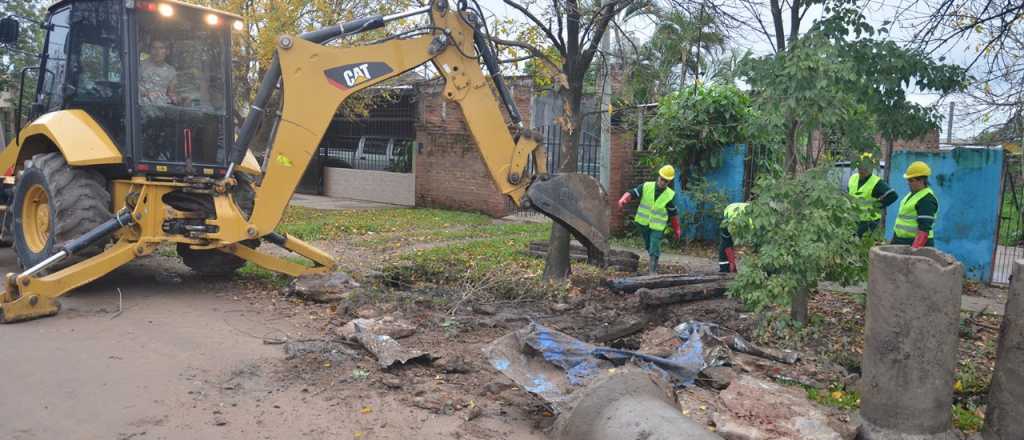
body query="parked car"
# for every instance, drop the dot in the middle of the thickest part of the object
(368, 153)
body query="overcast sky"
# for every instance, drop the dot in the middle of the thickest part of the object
(908, 16)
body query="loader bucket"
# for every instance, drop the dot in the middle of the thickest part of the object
(577, 202)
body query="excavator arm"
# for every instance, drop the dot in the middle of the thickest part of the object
(316, 79)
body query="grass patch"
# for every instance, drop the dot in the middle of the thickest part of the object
(316, 224)
(475, 232)
(496, 267)
(1011, 230)
(835, 396)
(967, 419)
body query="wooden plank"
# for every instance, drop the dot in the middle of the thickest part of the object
(632, 284)
(680, 294)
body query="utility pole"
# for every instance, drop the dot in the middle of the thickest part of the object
(949, 125)
(606, 116)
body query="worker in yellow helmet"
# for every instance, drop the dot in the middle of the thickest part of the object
(866, 186)
(655, 211)
(919, 210)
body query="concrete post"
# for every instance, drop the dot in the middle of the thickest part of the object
(627, 405)
(1004, 418)
(910, 344)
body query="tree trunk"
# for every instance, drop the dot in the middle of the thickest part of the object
(791, 156)
(557, 265)
(798, 306)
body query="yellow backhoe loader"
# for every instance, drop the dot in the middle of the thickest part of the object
(131, 142)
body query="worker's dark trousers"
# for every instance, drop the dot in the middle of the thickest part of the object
(652, 244)
(724, 242)
(864, 227)
(910, 241)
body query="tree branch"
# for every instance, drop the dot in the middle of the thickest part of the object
(534, 51)
(555, 41)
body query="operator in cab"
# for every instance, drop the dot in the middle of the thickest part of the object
(657, 208)
(157, 78)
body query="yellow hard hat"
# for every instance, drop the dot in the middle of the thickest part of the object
(667, 172)
(917, 169)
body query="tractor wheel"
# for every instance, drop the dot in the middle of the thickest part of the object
(212, 262)
(55, 203)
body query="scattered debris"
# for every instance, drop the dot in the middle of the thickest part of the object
(392, 382)
(322, 288)
(386, 349)
(718, 378)
(167, 278)
(333, 351)
(661, 341)
(632, 284)
(618, 260)
(736, 342)
(455, 365)
(754, 408)
(385, 325)
(685, 293)
(621, 330)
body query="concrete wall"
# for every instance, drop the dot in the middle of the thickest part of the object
(377, 186)
(967, 184)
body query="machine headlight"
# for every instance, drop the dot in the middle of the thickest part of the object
(165, 9)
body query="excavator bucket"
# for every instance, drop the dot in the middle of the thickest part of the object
(577, 202)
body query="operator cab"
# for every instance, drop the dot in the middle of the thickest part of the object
(155, 75)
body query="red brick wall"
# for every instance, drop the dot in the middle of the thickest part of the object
(449, 170)
(621, 177)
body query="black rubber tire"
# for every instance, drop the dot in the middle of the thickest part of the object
(78, 201)
(214, 262)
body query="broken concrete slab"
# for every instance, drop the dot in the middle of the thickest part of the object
(322, 288)
(1004, 418)
(718, 378)
(910, 343)
(661, 342)
(385, 325)
(627, 404)
(757, 409)
(387, 350)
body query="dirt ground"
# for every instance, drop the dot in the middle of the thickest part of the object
(192, 357)
(186, 359)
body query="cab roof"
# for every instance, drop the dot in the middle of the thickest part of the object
(173, 2)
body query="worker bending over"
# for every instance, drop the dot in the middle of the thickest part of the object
(655, 210)
(915, 224)
(726, 252)
(864, 185)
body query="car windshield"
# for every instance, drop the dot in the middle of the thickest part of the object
(182, 84)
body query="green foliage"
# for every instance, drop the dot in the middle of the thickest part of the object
(836, 396)
(799, 230)
(966, 419)
(709, 202)
(24, 54)
(692, 125)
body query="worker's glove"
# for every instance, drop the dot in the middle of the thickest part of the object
(676, 227)
(920, 239)
(624, 200)
(730, 255)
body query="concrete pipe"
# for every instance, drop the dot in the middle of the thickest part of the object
(627, 405)
(910, 344)
(1004, 418)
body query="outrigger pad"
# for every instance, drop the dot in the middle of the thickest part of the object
(577, 202)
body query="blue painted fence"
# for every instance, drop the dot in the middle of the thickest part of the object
(728, 178)
(967, 183)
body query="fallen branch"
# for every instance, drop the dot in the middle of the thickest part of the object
(632, 284)
(680, 294)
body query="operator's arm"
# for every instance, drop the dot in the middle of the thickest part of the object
(630, 195)
(884, 195)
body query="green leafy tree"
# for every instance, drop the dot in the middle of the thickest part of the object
(694, 124)
(25, 54)
(799, 230)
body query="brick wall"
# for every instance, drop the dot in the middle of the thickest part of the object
(621, 177)
(449, 170)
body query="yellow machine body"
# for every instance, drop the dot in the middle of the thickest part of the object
(311, 97)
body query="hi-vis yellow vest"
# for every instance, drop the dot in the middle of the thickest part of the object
(652, 213)
(906, 221)
(864, 192)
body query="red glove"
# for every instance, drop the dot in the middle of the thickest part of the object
(730, 255)
(920, 239)
(676, 227)
(624, 200)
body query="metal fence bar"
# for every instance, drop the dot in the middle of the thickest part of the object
(587, 157)
(1010, 235)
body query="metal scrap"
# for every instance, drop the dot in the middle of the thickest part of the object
(387, 350)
